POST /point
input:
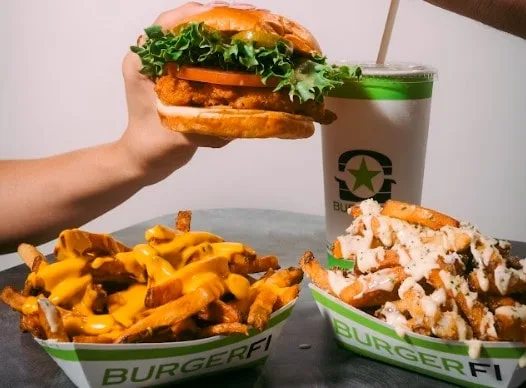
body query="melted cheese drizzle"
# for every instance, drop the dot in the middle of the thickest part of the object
(167, 260)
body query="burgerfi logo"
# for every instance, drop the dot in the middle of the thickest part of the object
(161, 371)
(364, 174)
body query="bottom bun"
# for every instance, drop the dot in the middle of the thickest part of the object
(235, 123)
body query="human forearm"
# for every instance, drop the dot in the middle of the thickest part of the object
(41, 197)
(505, 15)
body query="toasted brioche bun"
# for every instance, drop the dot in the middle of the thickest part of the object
(235, 123)
(229, 19)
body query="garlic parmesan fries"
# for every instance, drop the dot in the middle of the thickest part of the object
(425, 272)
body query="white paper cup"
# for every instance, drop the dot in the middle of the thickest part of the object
(377, 146)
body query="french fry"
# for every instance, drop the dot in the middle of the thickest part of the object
(13, 298)
(472, 308)
(262, 308)
(375, 288)
(317, 274)
(31, 323)
(245, 265)
(287, 295)
(50, 320)
(179, 309)
(159, 234)
(184, 329)
(92, 339)
(219, 312)
(418, 215)
(285, 277)
(163, 292)
(78, 243)
(31, 256)
(516, 285)
(111, 269)
(224, 329)
(183, 221)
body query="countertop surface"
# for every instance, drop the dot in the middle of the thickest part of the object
(287, 235)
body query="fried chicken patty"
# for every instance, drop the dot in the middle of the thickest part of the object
(174, 91)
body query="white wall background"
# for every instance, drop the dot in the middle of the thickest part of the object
(62, 59)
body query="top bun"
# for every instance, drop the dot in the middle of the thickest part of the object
(228, 19)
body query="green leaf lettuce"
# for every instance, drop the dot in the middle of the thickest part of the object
(194, 44)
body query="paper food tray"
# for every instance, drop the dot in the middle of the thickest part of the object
(141, 365)
(497, 365)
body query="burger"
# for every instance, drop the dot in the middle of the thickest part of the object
(239, 73)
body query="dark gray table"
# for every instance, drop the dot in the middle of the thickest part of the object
(24, 364)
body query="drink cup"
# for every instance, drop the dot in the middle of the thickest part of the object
(377, 146)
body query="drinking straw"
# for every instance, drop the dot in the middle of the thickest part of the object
(388, 30)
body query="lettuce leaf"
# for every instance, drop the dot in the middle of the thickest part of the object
(305, 78)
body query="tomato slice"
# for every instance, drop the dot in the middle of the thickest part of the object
(220, 77)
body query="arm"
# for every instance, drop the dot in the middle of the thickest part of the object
(41, 197)
(505, 15)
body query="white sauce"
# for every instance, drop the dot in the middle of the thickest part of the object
(517, 312)
(487, 325)
(502, 278)
(429, 306)
(380, 280)
(368, 259)
(408, 284)
(50, 314)
(394, 318)
(338, 282)
(370, 207)
(353, 245)
(456, 285)
(439, 296)
(482, 279)
(474, 347)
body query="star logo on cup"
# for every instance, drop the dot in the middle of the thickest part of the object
(363, 176)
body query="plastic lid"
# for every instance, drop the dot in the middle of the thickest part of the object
(396, 70)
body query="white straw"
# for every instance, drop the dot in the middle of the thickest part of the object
(388, 30)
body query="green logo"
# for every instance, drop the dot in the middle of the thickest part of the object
(364, 174)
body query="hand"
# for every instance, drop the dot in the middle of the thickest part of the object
(153, 149)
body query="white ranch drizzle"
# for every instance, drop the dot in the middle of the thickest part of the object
(474, 347)
(338, 282)
(379, 280)
(516, 312)
(419, 259)
(457, 284)
(394, 318)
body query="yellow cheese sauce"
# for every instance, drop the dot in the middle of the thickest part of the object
(196, 259)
